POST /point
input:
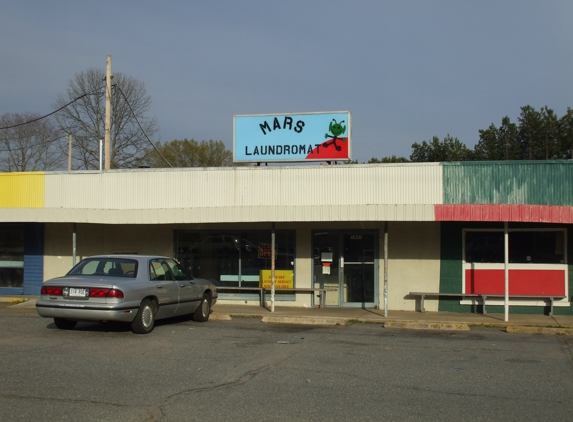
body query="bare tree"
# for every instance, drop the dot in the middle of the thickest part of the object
(85, 118)
(33, 146)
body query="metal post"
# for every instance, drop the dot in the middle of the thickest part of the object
(107, 129)
(100, 154)
(386, 269)
(273, 268)
(506, 270)
(69, 152)
(75, 246)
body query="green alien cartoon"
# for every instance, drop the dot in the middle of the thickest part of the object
(336, 129)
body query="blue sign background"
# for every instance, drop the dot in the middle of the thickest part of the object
(291, 137)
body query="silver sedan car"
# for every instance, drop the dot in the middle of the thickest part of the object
(135, 289)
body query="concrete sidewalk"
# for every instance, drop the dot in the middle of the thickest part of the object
(556, 324)
(398, 319)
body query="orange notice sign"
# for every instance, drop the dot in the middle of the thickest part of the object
(265, 251)
(284, 279)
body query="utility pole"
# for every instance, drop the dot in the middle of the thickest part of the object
(107, 129)
(70, 152)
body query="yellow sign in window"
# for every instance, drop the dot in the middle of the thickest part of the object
(284, 279)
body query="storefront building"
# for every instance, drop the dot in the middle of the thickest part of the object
(435, 227)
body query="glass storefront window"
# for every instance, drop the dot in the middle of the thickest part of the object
(232, 258)
(11, 255)
(482, 246)
(538, 247)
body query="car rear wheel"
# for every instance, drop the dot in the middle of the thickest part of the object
(202, 312)
(144, 321)
(64, 324)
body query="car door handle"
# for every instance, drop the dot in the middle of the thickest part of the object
(159, 286)
(182, 285)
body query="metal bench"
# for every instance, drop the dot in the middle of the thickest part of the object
(321, 290)
(263, 291)
(549, 298)
(259, 290)
(484, 298)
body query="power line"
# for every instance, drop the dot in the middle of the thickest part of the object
(137, 120)
(53, 112)
(71, 102)
(35, 145)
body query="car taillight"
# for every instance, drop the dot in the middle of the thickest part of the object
(100, 292)
(51, 290)
(115, 293)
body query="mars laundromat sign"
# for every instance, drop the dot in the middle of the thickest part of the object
(292, 137)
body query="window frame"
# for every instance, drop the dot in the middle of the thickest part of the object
(532, 266)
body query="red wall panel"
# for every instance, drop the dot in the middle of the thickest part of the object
(521, 282)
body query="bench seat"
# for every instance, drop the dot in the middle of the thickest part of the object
(483, 297)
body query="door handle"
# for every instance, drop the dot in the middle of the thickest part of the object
(182, 285)
(159, 286)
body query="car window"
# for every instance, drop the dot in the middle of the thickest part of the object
(89, 268)
(177, 270)
(106, 266)
(159, 270)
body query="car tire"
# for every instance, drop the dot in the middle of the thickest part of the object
(203, 310)
(144, 321)
(65, 324)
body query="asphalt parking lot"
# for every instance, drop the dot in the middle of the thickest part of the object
(245, 370)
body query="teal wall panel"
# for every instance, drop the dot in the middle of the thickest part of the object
(511, 182)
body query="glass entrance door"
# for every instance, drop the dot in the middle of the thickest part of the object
(358, 268)
(344, 264)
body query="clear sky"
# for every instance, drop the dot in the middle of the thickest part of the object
(406, 70)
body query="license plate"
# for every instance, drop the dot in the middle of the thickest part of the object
(78, 292)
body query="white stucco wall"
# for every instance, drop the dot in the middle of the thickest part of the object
(94, 239)
(413, 263)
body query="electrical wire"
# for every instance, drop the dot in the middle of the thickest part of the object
(35, 145)
(53, 112)
(73, 101)
(137, 120)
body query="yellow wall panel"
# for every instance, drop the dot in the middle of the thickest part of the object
(22, 190)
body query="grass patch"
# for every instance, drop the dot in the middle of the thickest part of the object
(13, 301)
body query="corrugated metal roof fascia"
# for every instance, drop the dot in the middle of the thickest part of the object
(252, 186)
(513, 182)
(22, 189)
(252, 214)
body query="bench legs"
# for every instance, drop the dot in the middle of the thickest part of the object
(422, 309)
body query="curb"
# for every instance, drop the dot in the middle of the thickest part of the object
(539, 330)
(414, 325)
(220, 317)
(305, 320)
(13, 300)
(417, 325)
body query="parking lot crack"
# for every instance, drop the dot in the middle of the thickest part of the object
(567, 350)
(246, 377)
(154, 411)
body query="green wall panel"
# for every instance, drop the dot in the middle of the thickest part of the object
(509, 182)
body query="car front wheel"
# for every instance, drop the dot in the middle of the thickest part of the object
(144, 321)
(202, 312)
(64, 324)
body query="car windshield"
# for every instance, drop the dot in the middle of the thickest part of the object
(106, 266)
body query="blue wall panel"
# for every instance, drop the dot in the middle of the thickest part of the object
(33, 258)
